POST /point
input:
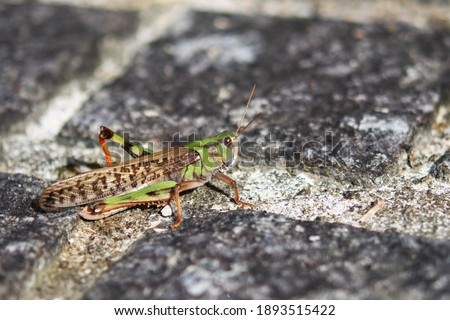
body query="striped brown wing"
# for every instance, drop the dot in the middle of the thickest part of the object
(108, 182)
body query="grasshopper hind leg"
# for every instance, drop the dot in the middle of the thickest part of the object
(92, 212)
(97, 211)
(133, 149)
(176, 196)
(183, 186)
(146, 196)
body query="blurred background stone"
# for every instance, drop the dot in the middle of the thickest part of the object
(44, 46)
(349, 157)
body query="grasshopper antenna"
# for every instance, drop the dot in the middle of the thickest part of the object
(248, 124)
(245, 111)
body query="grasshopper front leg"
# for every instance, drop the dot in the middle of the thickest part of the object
(219, 175)
(134, 150)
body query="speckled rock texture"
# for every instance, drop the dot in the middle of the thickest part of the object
(43, 47)
(236, 255)
(337, 97)
(29, 238)
(347, 166)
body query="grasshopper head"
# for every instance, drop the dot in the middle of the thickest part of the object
(221, 150)
(224, 149)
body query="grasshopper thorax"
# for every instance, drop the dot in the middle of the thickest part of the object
(219, 151)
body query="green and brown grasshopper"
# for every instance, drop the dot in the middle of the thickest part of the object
(148, 179)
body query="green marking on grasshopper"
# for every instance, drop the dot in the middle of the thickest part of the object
(142, 194)
(152, 178)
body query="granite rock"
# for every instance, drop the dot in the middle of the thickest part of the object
(344, 105)
(337, 98)
(441, 167)
(29, 238)
(257, 255)
(43, 47)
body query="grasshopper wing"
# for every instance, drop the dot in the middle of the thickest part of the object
(108, 182)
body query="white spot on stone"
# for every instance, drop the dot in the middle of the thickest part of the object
(394, 124)
(348, 121)
(257, 105)
(426, 107)
(340, 69)
(217, 49)
(166, 211)
(197, 280)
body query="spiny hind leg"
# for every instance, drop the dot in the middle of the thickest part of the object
(183, 186)
(135, 150)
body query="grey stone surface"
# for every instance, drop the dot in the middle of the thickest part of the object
(353, 139)
(254, 255)
(29, 238)
(337, 98)
(441, 167)
(43, 46)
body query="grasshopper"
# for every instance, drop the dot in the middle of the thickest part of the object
(151, 178)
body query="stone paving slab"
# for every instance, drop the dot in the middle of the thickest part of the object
(441, 167)
(254, 255)
(337, 98)
(29, 238)
(353, 131)
(44, 46)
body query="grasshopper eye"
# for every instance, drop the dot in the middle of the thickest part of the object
(227, 142)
